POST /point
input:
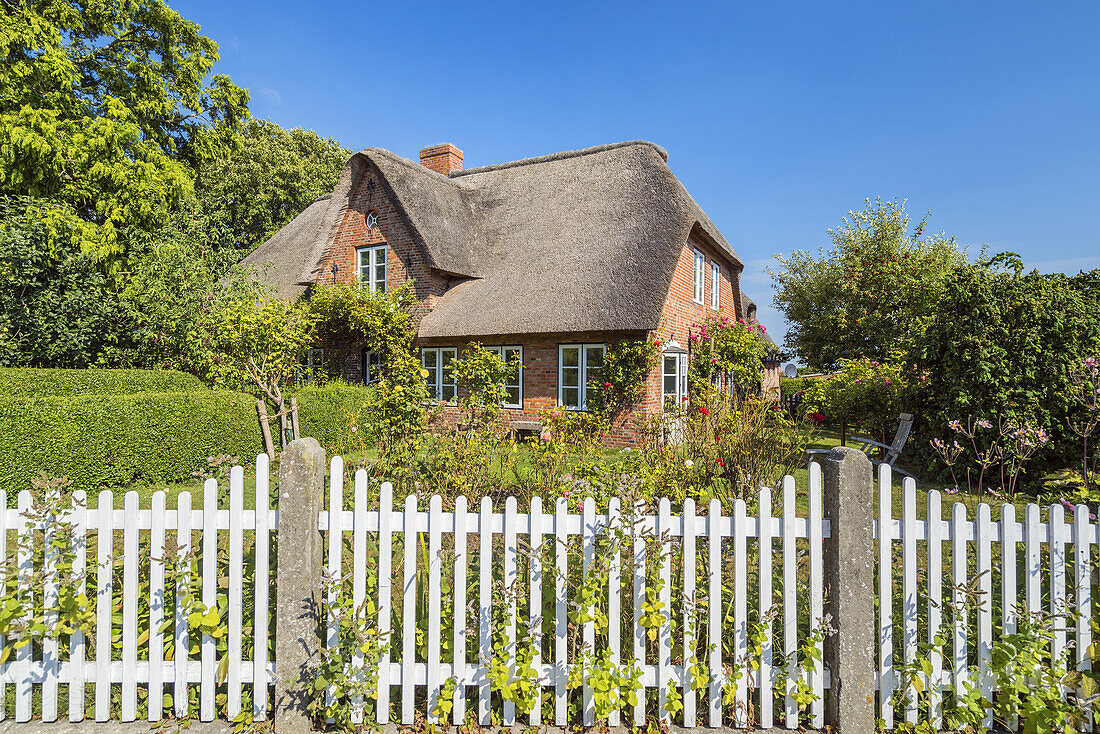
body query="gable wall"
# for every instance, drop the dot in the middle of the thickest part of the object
(680, 310)
(405, 260)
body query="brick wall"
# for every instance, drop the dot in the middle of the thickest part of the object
(540, 377)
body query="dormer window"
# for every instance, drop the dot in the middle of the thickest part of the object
(372, 267)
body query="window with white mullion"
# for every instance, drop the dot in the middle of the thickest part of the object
(513, 385)
(372, 267)
(440, 380)
(715, 285)
(700, 276)
(674, 384)
(575, 362)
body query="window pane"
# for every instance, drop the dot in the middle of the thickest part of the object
(670, 385)
(428, 358)
(512, 395)
(570, 397)
(570, 377)
(670, 364)
(593, 357)
(448, 392)
(570, 356)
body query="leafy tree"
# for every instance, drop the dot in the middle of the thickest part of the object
(1001, 345)
(867, 294)
(268, 176)
(865, 391)
(110, 108)
(56, 308)
(174, 295)
(262, 343)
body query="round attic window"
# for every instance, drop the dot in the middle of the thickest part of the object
(372, 220)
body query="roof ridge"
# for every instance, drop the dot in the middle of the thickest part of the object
(560, 156)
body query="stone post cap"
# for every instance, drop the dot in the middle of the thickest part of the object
(840, 453)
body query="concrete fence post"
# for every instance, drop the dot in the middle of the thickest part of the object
(298, 576)
(850, 587)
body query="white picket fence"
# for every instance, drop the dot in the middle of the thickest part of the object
(1006, 585)
(721, 535)
(769, 560)
(141, 660)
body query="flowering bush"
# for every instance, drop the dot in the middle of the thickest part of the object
(619, 383)
(988, 455)
(725, 348)
(727, 448)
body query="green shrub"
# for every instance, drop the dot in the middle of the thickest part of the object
(1001, 346)
(792, 385)
(326, 412)
(29, 382)
(119, 440)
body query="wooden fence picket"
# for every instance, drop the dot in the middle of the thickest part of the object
(765, 675)
(78, 640)
(460, 615)
(934, 539)
(104, 575)
(409, 547)
(129, 606)
(790, 604)
(156, 608)
(690, 607)
(262, 576)
(208, 649)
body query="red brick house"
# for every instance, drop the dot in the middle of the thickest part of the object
(554, 257)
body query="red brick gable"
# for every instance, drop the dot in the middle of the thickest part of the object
(405, 258)
(680, 310)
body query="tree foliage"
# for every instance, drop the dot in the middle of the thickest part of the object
(56, 309)
(1002, 344)
(268, 176)
(109, 108)
(865, 295)
(174, 293)
(262, 343)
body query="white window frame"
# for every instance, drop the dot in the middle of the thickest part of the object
(502, 352)
(374, 255)
(437, 379)
(582, 372)
(368, 377)
(700, 276)
(679, 376)
(715, 285)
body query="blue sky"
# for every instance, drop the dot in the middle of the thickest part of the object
(778, 117)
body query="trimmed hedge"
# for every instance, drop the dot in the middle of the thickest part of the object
(29, 382)
(119, 440)
(324, 411)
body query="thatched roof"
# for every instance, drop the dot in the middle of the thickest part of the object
(584, 240)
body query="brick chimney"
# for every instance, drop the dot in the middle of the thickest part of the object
(442, 158)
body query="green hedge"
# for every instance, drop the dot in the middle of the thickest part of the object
(119, 440)
(324, 412)
(28, 382)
